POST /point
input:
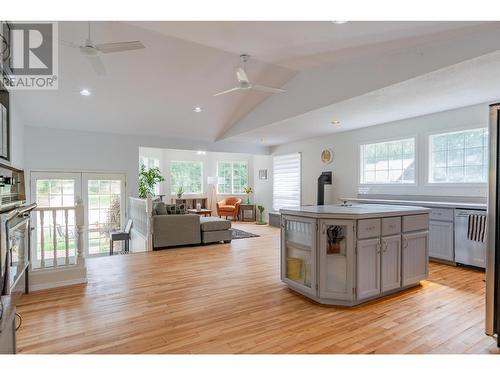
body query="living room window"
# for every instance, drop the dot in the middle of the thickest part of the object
(286, 181)
(235, 176)
(188, 175)
(459, 157)
(390, 162)
(151, 163)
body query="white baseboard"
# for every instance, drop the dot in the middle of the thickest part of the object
(57, 284)
(57, 277)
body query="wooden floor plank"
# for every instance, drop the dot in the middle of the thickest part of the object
(228, 298)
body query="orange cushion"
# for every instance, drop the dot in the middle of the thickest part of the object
(226, 208)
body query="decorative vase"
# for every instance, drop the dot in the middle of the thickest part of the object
(248, 199)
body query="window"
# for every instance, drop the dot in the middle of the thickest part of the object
(188, 174)
(286, 181)
(459, 157)
(235, 176)
(388, 162)
(151, 163)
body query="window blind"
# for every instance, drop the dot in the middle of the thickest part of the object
(286, 181)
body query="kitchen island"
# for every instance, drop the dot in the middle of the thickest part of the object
(350, 254)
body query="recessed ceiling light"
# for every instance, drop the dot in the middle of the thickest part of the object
(201, 152)
(339, 22)
(197, 109)
(336, 122)
(85, 92)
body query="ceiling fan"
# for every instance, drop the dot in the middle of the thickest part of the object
(92, 50)
(244, 82)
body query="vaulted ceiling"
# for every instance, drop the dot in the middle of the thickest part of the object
(360, 73)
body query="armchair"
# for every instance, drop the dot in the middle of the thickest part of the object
(229, 206)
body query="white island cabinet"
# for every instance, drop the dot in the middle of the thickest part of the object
(346, 255)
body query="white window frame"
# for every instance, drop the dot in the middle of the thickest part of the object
(172, 192)
(157, 186)
(300, 180)
(427, 154)
(384, 140)
(232, 175)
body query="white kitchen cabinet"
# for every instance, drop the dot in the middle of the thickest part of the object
(390, 263)
(336, 259)
(414, 257)
(441, 239)
(368, 267)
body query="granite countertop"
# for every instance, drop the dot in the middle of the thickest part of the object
(472, 206)
(355, 211)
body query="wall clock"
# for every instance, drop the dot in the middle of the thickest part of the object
(327, 156)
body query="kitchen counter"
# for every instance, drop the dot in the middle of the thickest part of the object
(471, 206)
(347, 255)
(354, 211)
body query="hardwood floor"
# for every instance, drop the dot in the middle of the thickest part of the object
(229, 299)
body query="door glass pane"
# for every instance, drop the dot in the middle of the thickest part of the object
(104, 208)
(299, 250)
(335, 250)
(54, 192)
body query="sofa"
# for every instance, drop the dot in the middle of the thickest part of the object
(229, 206)
(172, 226)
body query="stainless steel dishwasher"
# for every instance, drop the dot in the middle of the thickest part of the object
(468, 252)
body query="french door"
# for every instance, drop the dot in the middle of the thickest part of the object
(103, 196)
(53, 192)
(104, 200)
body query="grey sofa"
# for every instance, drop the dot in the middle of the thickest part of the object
(176, 230)
(185, 229)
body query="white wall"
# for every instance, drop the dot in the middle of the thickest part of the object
(59, 149)
(16, 136)
(345, 165)
(262, 188)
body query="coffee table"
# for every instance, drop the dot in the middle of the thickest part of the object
(201, 212)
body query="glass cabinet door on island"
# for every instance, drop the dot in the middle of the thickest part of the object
(336, 259)
(298, 246)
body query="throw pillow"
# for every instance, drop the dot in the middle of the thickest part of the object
(176, 209)
(159, 208)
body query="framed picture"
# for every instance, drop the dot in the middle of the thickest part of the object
(4, 126)
(262, 174)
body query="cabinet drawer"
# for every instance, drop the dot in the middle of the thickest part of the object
(368, 228)
(391, 225)
(412, 223)
(443, 214)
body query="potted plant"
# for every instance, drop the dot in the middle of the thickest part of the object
(180, 191)
(248, 190)
(261, 215)
(148, 178)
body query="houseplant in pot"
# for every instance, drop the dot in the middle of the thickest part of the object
(261, 216)
(148, 178)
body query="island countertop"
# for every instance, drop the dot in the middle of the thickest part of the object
(354, 211)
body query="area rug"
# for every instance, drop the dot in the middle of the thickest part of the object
(238, 234)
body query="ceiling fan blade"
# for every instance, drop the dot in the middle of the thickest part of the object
(227, 91)
(267, 89)
(68, 44)
(119, 46)
(97, 64)
(242, 75)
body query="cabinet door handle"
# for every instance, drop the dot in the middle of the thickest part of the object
(378, 247)
(405, 243)
(324, 228)
(385, 245)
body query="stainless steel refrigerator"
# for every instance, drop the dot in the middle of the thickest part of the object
(493, 248)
